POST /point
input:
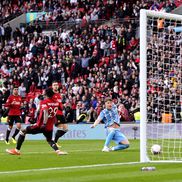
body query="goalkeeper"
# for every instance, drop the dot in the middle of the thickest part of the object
(111, 119)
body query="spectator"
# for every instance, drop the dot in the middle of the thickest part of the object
(22, 90)
(8, 31)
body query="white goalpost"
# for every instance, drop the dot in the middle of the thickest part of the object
(160, 86)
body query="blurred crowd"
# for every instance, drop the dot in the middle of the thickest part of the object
(72, 10)
(90, 61)
(164, 70)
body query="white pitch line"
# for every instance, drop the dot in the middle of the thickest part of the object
(68, 167)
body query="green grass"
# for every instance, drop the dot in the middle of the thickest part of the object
(38, 155)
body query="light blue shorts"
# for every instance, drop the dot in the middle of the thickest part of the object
(118, 136)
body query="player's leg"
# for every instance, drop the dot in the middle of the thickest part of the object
(18, 127)
(121, 140)
(34, 129)
(10, 121)
(110, 135)
(62, 128)
(48, 135)
(21, 138)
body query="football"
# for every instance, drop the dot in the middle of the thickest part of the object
(156, 149)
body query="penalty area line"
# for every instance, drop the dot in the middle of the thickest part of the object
(68, 167)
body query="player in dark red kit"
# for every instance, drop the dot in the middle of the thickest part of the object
(61, 123)
(44, 124)
(13, 104)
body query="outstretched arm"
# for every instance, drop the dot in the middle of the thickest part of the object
(97, 121)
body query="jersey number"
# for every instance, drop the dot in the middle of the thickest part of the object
(52, 112)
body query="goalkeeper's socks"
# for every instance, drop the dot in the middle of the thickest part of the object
(7, 134)
(109, 138)
(21, 139)
(120, 147)
(59, 133)
(16, 132)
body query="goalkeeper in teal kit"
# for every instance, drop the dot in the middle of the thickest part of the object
(111, 119)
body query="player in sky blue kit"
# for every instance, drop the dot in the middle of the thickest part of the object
(111, 119)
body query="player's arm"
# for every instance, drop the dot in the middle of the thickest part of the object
(97, 121)
(8, 102)
(7, 106)
(45, 113)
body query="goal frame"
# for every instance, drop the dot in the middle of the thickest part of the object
(143, 78)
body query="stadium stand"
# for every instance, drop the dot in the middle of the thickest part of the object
(91, 59)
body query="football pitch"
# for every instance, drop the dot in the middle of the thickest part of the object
(85, 162)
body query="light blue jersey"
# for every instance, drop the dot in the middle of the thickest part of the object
(110, 117)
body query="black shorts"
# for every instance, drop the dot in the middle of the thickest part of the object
(36, 130)
(12, 119)
(60, 120)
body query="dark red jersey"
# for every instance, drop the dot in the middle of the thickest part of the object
(14, 104)
(51, 106)
(57, 97)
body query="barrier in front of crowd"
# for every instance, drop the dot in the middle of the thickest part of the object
(79, 132)
(84, 132)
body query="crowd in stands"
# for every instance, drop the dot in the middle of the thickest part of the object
(90, 61)
(76, 10)
(164, 71)
(9, 9)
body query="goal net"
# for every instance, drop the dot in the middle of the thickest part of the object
(160, 85)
